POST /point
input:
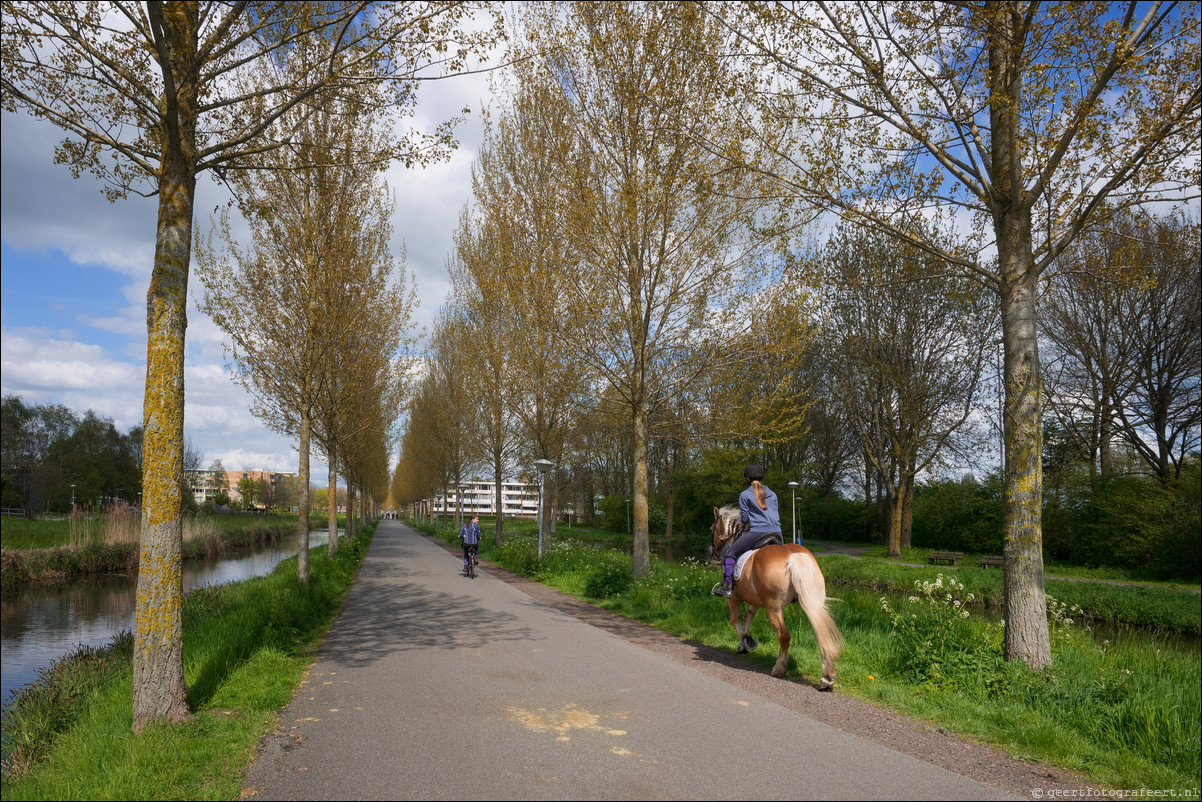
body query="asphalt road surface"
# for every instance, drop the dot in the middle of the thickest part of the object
(435, 686)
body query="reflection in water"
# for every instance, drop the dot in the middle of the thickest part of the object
(41, 624)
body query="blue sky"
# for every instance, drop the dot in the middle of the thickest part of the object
(74, 270)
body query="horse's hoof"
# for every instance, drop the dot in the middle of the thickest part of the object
(778, 674)
(826, 684)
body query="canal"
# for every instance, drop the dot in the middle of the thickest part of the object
(40, 624)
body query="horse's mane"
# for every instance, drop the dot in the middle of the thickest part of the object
(730, 515)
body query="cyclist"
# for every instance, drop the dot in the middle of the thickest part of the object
(469, 538)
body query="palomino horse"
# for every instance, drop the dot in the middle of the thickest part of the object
(772, 577)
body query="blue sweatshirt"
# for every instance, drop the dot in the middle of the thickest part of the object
(470, 534)
(762, 521)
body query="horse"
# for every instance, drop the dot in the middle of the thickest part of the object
(771, 578)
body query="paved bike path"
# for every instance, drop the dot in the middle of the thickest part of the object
(431, 685)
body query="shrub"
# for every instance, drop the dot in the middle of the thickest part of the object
(518, 554)
(937, 646)
(608, 578)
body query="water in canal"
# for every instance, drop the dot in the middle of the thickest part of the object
(40, 624)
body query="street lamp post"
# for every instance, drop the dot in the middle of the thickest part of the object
(794, 486)
(628, 528)
(542, 465)
(72, 497)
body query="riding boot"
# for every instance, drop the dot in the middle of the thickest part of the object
(727, 586)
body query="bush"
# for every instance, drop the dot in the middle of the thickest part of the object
(831, 518)
(1130, 522)
(608, 578)
(963, 515)
(519, 555)
(936, 644)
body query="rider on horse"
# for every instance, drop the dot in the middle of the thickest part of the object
(760, 516)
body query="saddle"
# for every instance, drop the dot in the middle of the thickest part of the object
(773, 539)
(770, 539)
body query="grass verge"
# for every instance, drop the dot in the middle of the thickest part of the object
(1166, 609)
(919, 555)
(1124, 714)
(246, 647)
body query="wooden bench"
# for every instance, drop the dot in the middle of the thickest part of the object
(949, 557)
(989, 560)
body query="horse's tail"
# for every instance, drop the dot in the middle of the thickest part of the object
(810, 587)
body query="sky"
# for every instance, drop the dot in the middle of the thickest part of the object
(75, 269)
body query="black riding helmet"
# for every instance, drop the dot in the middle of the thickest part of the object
(754, 472)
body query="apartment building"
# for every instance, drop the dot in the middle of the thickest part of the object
(206, 484)
(518, 499)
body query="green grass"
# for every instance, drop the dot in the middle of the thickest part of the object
(919, 555)
(1171, 609)
(246, 646)
(1125, 714)
(25, 533)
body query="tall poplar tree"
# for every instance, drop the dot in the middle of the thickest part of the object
(153, 94)
(295, 303)
(662, 253)
(1025, 122)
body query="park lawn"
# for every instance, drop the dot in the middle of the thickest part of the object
(918, 556)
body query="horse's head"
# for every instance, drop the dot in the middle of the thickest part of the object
(727, 525)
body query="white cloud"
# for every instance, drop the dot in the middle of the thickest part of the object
(97, 361)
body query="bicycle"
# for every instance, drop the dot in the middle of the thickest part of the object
(469, 569)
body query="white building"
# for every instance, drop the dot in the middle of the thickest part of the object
(518, 499)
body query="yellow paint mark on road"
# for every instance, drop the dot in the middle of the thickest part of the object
(562, 722)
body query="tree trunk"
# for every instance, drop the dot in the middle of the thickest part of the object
(895, 517)
(1026, 635)
(1106, 436)
(868, 499)
(159, 693)
(641, 548)
(907, 511)
(1025, 603)
(498, 502)
(671, 512)
(590, 494)
(332, 507)
(302, 512)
